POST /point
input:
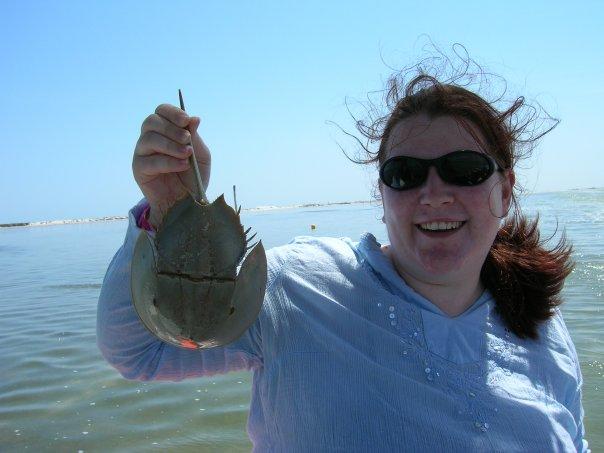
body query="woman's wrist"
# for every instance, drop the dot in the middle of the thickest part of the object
(143, 219)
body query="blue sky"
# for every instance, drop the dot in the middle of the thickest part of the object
(267, 77)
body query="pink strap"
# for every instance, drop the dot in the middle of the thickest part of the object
(143, 220)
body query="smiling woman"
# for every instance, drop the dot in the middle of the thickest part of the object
(442, 262)
(446, 339)
(447, 160)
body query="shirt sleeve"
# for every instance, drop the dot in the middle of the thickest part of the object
(576, 406)
(574, 400)
(578, 413)
(136, 353)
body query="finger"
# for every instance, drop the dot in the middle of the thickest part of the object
(201, 149)
(157, 164)
(154, 143)
(156, 123)
(173, 114)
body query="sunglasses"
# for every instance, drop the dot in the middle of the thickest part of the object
(461, 168)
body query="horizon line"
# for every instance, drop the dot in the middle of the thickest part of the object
(257, 208)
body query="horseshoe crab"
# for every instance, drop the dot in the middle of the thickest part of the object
(184, 281)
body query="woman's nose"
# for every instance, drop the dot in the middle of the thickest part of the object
(435, 192)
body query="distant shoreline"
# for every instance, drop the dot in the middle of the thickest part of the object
(61, 222)
(113, 218)
(256, 209)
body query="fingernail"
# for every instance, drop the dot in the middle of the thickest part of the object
(189, 149)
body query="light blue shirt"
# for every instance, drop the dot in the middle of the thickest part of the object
(346, 357)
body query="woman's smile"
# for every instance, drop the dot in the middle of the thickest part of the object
(440, 225)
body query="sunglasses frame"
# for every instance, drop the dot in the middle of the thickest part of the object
(437, 163)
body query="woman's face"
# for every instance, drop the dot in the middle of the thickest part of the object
(457, 254)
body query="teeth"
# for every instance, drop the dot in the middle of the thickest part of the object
(440, 226)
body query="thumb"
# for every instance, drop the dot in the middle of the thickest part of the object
(194, 124)
(201, 150)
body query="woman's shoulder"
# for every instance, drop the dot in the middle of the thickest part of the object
(310, 251)
(554, 334)
(550, 358)
(556, 346)
(308, 256)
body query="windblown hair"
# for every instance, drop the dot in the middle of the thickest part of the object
(524, 277)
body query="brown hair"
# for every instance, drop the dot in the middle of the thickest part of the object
(524, 277)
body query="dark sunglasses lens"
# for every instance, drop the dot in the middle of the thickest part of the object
(403, 173)
(466, 168)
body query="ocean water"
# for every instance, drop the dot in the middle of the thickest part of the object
(58, 394)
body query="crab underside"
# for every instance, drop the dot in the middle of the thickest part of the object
(187, 286)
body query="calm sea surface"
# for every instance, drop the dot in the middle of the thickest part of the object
(58, 394)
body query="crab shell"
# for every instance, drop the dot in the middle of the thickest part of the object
(184, 282)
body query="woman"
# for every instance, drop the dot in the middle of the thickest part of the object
(447, 339)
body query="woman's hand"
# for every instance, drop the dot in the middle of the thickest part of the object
(161, 159)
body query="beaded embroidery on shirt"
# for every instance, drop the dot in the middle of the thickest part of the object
(470, 383)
